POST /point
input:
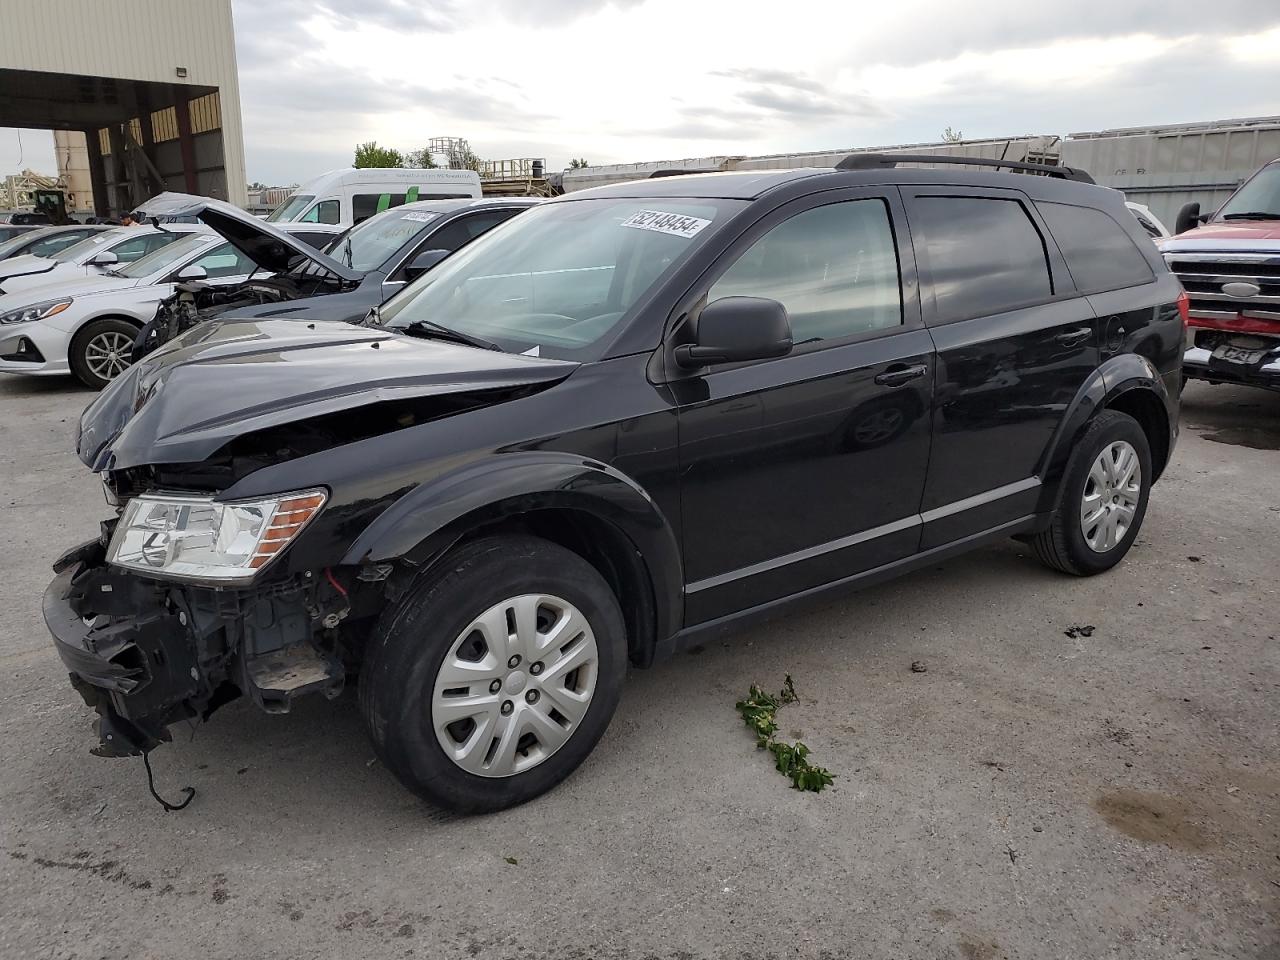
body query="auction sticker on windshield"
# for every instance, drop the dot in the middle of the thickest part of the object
(420, 217)
(676, 224)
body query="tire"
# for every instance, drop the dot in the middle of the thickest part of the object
(1065, 545)
(90, 365)
(419, 647)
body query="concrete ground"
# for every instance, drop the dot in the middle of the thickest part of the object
(1030, 795)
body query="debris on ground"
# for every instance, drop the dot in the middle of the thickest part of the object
(917, 666)
(759, 712)
(1194, 559)
(512, 860)
(1013, 854)
(1079, 631)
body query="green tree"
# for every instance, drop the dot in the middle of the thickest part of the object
(578, 163)
(371, 155)
(422, 159)
(952, 136)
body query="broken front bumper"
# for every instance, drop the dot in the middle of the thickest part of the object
(148, 653)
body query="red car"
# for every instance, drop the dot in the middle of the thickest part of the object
(1229, 264)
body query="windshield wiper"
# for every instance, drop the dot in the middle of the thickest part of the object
(1252, 215)
(430, 328)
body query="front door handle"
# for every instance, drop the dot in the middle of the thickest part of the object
(899, 373)
(1074, 337)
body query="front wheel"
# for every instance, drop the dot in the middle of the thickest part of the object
(1103, 499)
(495, 677)
(101, 351)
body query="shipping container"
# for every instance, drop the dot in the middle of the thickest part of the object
(1165, 167)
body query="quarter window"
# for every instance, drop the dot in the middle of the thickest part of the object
(985, 255)
(835, 269)
(1099, 253)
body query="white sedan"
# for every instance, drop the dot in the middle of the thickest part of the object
(91, 257)
(86, 325)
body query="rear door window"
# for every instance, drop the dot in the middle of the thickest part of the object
(985, 255)
(1099, 253)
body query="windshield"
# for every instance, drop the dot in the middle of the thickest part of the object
(22, 239)
(86, 246)
(291, 207)
(561, 277)
(369, 245)
(1261, 195)
(165, 257)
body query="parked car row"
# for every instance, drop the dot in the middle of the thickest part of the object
(616, 424)
(78, 307)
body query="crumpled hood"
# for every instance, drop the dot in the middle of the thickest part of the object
(222, 380)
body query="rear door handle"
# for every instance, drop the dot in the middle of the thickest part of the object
(1073, 337)
(899, 373)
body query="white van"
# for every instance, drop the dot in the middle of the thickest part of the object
(351, 195)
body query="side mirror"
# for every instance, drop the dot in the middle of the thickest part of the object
(424, 262)
(1188, 218)
(104, 259)
(734, 329)
(192, 272)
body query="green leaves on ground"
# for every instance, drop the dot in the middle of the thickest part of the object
(759, 712)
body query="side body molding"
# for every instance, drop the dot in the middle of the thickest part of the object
(434, 515)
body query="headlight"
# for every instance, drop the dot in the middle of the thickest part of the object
(198, 538)
(37, 311)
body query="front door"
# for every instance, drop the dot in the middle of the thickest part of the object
(1015, 343)
(799, 471)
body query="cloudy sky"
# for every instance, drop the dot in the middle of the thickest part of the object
(629, 80)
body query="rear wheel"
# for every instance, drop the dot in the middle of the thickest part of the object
(1103, 499)
(495, 677)
(101, 351)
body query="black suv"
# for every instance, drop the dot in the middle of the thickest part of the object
(632, 417)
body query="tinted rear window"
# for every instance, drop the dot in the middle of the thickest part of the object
(985, 255)
(1100, 255)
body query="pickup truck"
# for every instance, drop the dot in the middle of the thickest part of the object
(1229, 264)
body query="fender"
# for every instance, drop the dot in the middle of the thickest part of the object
(1115, 376)
(434, 515)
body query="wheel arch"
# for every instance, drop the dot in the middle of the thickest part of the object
(583, 505)
(1128, 383)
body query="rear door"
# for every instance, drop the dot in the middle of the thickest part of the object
(806, 469)
(1015, 344)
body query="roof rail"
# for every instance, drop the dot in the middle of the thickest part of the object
(873, 161)
(675, 172)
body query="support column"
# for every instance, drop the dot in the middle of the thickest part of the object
(121, 192)
(186, 142)
(97, 174)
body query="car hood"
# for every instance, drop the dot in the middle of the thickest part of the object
(1234, 230)
(223, 380)
(26, 263)
(270, 248)
(62, 286)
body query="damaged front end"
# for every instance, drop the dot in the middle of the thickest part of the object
(149, 653)
(196, 301)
